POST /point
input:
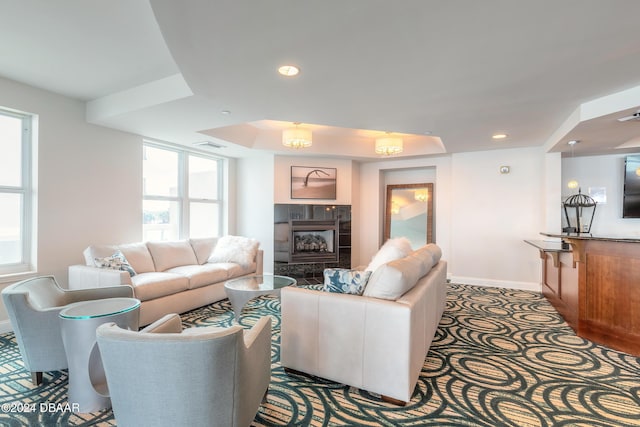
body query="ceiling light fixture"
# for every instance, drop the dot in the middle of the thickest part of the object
(289, 70)
(389, 145)
(296, 137)
(499, 136)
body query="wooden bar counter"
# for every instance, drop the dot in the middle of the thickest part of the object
(595, 285)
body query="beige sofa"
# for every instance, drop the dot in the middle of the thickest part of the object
(376, 341)
(169, 277)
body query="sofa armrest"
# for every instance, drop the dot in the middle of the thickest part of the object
(260, 262)
(118, 291)
(83, 277)
(255, 369)
(259, 332)
(169, 324)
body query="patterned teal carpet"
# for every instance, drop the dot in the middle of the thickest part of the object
(500, 358)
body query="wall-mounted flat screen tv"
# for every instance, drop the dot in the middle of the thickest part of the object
(631, 197)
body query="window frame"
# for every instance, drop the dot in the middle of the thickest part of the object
(182, 198)
(25, 189)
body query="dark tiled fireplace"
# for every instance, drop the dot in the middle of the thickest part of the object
(313, 241)
(309, 238)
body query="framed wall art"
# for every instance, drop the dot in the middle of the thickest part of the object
(313, 183)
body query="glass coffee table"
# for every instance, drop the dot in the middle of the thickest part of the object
(241, 290)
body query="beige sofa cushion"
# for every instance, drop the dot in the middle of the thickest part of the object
(391, 280)
(167, 255)
(237, 270)
(148, 286)
(138, 256)
(396, 248)
(203, 247)
(202, 275)
(425, 256)
(435, 250)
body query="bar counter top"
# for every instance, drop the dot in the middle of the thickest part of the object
(576, 236)
(548, 246)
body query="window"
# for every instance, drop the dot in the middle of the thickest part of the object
(181, 194)
(15, 192)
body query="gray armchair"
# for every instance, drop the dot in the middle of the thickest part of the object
(163, 376)
(33, 306)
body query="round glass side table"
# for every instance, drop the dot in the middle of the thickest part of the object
(78, 323)
(241, 290)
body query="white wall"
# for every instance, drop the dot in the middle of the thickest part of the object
(552, 193)
(282, 179)
(491, 215)
(481, 216)
(254, 202)
(372, 199)
(89, 180)
(608, 172)
(410, 176)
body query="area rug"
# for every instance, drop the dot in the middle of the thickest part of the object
(500, 357)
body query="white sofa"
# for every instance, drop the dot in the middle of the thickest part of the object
(376, 341)
(170, 277)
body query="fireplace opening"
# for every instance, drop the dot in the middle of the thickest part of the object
(313, 240)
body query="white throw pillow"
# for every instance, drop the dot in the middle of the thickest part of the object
(394, 279)
(396, 248)
(203, 247)
(237, 249)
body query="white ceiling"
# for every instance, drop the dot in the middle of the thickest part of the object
(446, 75)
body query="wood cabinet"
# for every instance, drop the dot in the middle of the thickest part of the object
(595, 286)
(560, 283)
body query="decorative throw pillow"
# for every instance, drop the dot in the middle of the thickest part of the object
(237, 249)
(396, 248)
(345, 281)
(117, 261)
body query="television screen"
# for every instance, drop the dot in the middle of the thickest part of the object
(631, 197)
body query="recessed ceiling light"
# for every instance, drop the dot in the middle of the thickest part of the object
(573, 142)
(499, 135)
(225, 112)
(289, 70)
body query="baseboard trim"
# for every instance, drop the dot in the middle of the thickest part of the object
(509, 284)
(5, 326)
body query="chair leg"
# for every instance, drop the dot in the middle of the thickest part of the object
(36, 378)
(264, 397)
